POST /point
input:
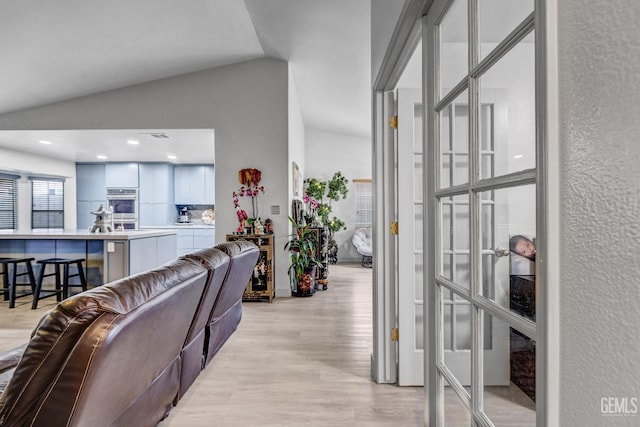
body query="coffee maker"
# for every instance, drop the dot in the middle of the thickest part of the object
(185, 216)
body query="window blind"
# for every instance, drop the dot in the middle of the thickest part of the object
(47, 207)
(8, 202)
(364, 203)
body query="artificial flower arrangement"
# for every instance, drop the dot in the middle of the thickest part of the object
(249, 178)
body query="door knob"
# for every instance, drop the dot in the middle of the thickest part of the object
(500, 252)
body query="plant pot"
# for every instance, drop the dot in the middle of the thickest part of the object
(306, 286)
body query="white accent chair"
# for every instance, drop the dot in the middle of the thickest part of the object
(362, 240)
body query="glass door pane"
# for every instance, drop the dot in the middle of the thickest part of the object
(508, 131)
(454, 142)
(453, 47)
(510, 401)
(508, 235)
(497, 18)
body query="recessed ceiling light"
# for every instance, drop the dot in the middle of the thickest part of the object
(133, 142)
(101, 156)
(172, 157)
(518, 156)
(45, 142)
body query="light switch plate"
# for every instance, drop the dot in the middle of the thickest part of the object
(275, 209)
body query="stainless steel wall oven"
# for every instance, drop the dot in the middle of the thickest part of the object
(124, 204)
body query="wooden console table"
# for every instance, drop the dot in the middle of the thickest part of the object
(261, 285)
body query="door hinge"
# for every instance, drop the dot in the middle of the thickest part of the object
(393, 122)
(395, 334)
(393, 228)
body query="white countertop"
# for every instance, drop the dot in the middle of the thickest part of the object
(85, 235)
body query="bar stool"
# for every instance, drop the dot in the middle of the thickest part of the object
(9, 284)
(62, 283)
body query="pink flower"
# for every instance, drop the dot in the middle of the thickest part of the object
(314, 204)
(305, 198)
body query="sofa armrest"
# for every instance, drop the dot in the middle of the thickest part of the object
(10, 358)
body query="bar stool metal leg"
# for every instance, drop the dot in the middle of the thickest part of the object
(36, 293)
(83, 278)
(5, 281)
(12, 286)
(59, 287)
(65, 283)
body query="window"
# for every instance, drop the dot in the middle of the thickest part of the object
(364, 203)
(47, 207)
(8, 202)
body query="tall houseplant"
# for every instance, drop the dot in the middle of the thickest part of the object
(318, 196)
(302, 248)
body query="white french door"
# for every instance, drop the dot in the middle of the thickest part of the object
(481, 196)
(410, 240)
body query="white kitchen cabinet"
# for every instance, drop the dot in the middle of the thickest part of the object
(203, 238)
(185, 241)
(90, 192)
(193, 238)
(194, 185)
(156, 194)
(90, 182)
(156, 183)
(121, 175)
(209, 184)
(182, 185)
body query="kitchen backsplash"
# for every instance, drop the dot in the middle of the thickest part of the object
(195, 212)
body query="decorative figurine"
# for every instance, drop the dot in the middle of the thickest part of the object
(268, 226)
(102, 223)
(258, 227)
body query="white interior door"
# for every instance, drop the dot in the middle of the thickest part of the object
(455, 240)
(410, 238)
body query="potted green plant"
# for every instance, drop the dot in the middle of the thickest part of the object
(318, 197)
(302, 248)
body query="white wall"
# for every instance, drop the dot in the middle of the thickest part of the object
(296, 135)
(327, 153)
(25, 165)
(384, 15)
(599, 83)
(245, 103)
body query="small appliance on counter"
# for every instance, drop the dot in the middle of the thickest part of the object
(185, 216)
(208, 217)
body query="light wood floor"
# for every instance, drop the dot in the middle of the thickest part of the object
(295, 362)
(300, 362)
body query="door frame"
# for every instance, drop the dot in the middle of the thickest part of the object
(405, 38)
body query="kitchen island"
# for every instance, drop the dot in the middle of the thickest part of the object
(191, 236)
(109, 256)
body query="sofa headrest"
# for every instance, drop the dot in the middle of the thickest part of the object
(125, 295)
(217, 264)
(209, 258)
(236, 248)
(244, 256)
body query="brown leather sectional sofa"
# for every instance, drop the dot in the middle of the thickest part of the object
(123, 354)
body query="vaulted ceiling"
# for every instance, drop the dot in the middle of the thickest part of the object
(53, 51)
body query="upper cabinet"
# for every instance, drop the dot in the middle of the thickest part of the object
(121, 175)
(156, 183)
(156, 194)
(209, 185)
(194, 185)
(90, 184)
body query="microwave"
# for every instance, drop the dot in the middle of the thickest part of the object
(123, 202)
